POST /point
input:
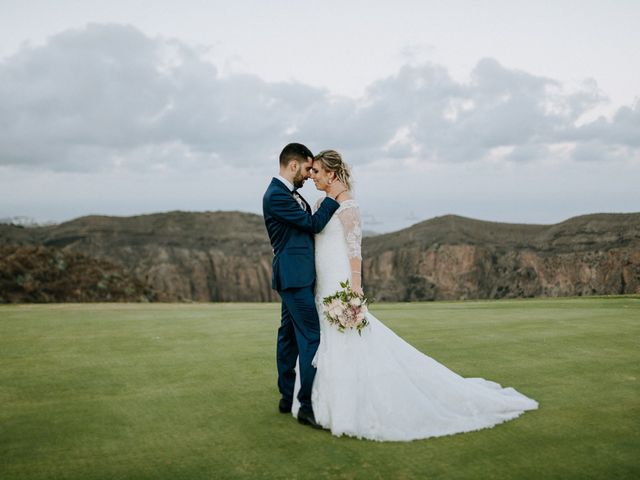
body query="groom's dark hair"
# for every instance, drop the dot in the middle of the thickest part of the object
(294, 151)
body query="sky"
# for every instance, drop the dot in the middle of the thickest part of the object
(514, 111)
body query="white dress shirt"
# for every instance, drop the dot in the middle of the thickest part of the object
(287, 183)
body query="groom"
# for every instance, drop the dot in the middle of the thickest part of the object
(291, 226)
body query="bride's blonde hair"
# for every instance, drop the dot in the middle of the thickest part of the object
(332, 162)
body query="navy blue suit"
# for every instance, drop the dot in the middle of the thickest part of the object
(291, 231)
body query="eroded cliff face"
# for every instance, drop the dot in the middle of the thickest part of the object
(453, 257)
(207, 275)
(451, 272)
(181, 256)
(226, 256)
(39, 274)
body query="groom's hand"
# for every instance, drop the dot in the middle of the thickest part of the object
(335, 189)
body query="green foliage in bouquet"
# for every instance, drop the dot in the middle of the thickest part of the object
(346, 309)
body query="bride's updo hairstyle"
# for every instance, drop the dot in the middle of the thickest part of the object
(332, 161)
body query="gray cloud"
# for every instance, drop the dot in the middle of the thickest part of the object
(622, 130)
(107, 97)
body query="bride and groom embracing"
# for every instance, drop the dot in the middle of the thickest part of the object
(367, 383)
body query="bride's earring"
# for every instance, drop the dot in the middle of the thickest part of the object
(330, 182)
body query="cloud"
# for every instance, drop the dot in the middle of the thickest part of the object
(108, 97)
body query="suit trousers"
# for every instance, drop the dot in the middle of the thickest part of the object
(298, 336)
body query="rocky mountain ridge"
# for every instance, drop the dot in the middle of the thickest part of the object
(39, 274)
(226, 256)
(453, 257)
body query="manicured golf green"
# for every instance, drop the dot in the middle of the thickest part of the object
(188, 391)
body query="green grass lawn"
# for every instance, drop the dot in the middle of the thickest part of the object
(188, 391)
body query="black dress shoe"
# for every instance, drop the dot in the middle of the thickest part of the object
(284, 406)
(308, 418)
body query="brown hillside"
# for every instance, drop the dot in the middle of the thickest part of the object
(453, 257)
(226, 256)
(40, 274)
(218, 256)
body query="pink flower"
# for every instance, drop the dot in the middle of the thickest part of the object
(345, 309)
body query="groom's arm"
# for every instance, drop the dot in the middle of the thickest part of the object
(283, 207)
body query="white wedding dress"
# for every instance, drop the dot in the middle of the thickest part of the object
(376, 385)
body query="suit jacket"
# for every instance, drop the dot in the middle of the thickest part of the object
(291, 231)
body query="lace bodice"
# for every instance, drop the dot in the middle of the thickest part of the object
(335, 246)
(349, 215)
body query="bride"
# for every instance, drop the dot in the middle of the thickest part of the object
(376, 385)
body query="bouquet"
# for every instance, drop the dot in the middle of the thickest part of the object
(346, 309)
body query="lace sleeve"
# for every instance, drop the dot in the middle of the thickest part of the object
(349, 215)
